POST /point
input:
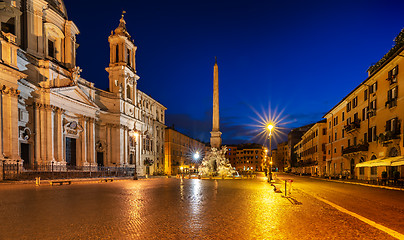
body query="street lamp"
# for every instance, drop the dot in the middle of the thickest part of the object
(270, 127)
(196, 158)
(134, 134)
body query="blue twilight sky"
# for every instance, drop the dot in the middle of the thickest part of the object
(300, 56)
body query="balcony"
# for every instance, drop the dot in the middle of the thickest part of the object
(371, 113)
(355, 149)
(388, 137)
(352, 126)
(392, 79)
(391, 103)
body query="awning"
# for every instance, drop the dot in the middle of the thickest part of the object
(398, 163)
(383, 162)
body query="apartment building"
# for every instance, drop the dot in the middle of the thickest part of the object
(183, 154)
(310, 150)
(364, 129)
(247, 157)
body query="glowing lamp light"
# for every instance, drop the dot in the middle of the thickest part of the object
(270, 127)
(196, 155)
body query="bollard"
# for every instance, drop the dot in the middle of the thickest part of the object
(286, 193)
(37, 181)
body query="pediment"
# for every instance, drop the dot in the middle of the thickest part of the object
(74, 93)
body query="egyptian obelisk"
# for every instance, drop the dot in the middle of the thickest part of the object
(215, 139)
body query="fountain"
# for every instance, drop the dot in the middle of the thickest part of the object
(216, 164)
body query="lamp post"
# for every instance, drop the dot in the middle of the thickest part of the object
(134, 134)
(196, 157)
(270, 127)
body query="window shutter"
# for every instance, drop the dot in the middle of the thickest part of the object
(396, 95)
(388, 125)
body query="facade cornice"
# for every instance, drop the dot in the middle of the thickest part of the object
(12, 71)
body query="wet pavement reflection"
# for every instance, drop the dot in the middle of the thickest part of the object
(169, 208)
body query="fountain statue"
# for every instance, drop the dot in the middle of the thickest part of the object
(216, 164)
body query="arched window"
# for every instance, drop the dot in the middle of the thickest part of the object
(393, 152)
(54, 41)
(373, 157)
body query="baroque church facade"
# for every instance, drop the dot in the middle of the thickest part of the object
(51, 115)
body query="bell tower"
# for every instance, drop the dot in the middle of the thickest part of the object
(122, 65)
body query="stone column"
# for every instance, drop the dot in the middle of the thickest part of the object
(59, 135)
(121, 145)
(125, 145)
(91, 141)
(1, 128)
(42, 130)
(38, 158)
(10, 123)
(108, 143)
(83, 121)
(50, 133)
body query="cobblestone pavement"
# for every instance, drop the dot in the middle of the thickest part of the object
(172, 209)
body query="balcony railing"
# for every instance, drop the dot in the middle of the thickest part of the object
(372, 113)
(392, 79)
(352, 126)
(391, 103)
(356, 148)
(388, 136)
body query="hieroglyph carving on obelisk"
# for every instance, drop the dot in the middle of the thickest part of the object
(215, 139)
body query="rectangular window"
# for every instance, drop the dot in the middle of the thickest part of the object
(392, 97)
(51, 48)
(355, 102)
(373, 171)
(343, 133)
(364, 113)
(365, 95)
(329, 124)
(117, 53)
(349, 142)
(335, 120)
(329, 139)
(373, 88)
(392, 75)
(348, 121)
(391, 125)
(372, 134)
(373, 105)
(128, 57)
(362, 171)
(348, 107)
(343, 116)
(324, 131)
(335, 136)
(365, 137)
(356, 117)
